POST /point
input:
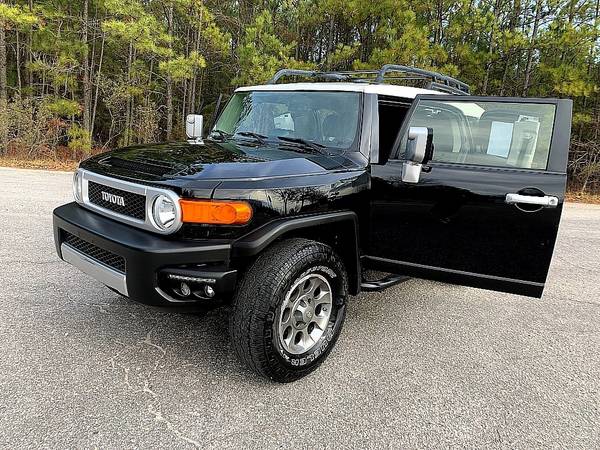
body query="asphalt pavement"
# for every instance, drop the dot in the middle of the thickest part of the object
(420, 365)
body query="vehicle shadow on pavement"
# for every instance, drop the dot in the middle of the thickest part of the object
(141, 342)
(178, 345)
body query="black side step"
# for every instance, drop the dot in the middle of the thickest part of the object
(384, 283)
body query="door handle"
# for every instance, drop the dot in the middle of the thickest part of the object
(546, 201)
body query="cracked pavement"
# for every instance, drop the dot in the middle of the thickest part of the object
(422, 364)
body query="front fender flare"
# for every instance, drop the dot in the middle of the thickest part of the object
(259, 239)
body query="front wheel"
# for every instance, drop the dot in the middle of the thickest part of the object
(289, 309)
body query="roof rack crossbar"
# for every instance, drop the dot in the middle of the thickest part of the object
(435, 77)
(445, 88)
(307, 73)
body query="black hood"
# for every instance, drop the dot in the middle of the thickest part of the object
(215, 160)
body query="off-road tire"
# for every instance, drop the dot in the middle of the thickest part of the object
(258, 302)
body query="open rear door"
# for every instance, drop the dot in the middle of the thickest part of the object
(485, 210)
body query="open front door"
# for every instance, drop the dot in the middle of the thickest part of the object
(485, 210)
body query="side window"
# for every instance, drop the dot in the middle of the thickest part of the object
(486, 133)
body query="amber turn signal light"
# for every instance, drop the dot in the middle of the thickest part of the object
(215, 212)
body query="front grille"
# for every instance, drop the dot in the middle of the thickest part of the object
(93, 251)
(133, 205)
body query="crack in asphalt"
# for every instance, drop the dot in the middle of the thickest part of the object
(153, 407)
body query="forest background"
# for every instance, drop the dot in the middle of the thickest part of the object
(79, 77)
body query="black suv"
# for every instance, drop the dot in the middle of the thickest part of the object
(300, 188)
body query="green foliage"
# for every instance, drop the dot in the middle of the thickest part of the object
(152, 61)
(144, 33)
(62, 107)
(16, 17)
(342, 57)
(80, 140)
(581, 119)
(182, 67)
(262, 53)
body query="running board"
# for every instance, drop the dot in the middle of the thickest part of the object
(384, 283)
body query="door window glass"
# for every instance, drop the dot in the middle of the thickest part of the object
(488, 133)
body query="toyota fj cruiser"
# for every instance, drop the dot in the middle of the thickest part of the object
(300, 188)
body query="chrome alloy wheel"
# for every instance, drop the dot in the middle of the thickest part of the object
(305, 314)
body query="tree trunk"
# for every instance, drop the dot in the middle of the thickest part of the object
(595, 40)
(98, 75)
(298, 37)
(529, 65)
(512, 26)
(591, 162)
(18, 62)
(87, 85)
(191, 105)
(129, 103)
(505, 75)
(439, 22)
(169, 99)
(329, 50)
(184, 103)
(3, 87)
(491, 48)
(30, 56)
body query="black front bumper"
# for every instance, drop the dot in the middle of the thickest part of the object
(145, 254)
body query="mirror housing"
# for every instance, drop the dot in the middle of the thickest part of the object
(419, 151)
(193, 127)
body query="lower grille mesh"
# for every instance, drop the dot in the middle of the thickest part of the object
(99, 254)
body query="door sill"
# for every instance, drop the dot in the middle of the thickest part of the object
(452, 276)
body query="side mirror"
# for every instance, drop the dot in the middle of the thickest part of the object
(419, 151)
(193, 127)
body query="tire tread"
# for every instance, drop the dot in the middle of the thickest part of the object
(254, 300)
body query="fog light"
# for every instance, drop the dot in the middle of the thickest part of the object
(209, 291)
(185, 289)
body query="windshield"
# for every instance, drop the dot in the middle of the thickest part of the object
(322, 118)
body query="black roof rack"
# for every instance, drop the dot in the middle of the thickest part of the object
(445, 88)
(437, 82)
(334, 76)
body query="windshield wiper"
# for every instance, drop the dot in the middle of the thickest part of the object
(259, 137)
(222, 134)
(305, 144)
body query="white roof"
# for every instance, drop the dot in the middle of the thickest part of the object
(382, 89)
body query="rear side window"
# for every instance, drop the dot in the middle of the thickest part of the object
(488, 133)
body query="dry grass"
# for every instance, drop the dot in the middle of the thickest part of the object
(43, 164)
(576, 196)
(43, 157)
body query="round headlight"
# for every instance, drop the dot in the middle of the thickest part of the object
(164, 212)
(77, 181)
